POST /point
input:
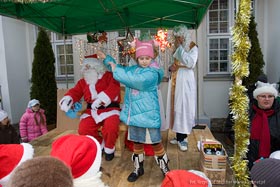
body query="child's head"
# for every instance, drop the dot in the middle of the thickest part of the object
(34, 104)
(144, 52)
(42, 171)
(4, 120)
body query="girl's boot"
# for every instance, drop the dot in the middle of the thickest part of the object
(162, 161)
(138, 160)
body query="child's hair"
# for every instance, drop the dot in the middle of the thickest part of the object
(42, 121)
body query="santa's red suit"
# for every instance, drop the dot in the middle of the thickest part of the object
(106, 93)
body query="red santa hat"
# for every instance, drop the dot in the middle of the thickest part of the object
(144, 48)
(11, 156)
(81, 153)
(184, 178)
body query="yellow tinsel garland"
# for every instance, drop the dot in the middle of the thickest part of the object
(239, 100)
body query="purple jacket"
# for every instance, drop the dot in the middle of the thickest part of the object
(27, 125)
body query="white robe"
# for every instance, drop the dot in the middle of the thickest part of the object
(185, 92)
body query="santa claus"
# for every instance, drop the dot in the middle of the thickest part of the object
(102, 94)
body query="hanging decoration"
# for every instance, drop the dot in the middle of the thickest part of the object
(161, 38)
(240, 101)
(100, 37)
(124, 44)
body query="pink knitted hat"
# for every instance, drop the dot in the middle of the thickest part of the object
(144, 48)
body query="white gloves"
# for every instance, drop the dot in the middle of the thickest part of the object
(96, 104)
(65, 103)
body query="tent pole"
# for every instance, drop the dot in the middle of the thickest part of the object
(197, 85)
(64, 48)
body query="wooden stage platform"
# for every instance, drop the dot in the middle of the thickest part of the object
(115, 172)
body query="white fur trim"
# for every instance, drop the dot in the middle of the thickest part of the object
(201, 174)
(104, 115)
(92, 181)
(92, 91)
(104, 98)
(275, 154)
(265, 88)
(109, 150)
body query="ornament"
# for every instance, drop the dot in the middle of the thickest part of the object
(103, 37)
(161, 38)
(92, 38)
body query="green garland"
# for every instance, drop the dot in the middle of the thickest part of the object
(239, 104)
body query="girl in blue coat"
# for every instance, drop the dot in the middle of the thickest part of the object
(141, 110)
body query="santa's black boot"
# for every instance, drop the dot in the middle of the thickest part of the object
(138, 160)
(162, 161)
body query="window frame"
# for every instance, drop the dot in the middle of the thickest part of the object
(210, 36)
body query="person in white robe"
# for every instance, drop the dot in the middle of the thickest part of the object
(181, 96)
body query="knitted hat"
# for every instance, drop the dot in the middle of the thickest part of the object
(184, 178)
(275, 154)
(265, 88)
(266, 173)
(144, 48)
(93, 62)
(3, 115)
(44, 171)
(32, 103)
(11, 156)
(81, 153)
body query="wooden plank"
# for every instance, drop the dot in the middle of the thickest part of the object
(115, 172)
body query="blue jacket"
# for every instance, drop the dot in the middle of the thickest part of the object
(141, 106)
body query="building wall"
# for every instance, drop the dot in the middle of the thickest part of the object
(15, 58)
(272, 40)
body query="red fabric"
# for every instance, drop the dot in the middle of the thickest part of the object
(106, 84)
(91, 56)
(10, 156)
(111, 88)
(260, 130)
(148, 148)
(183, 178)
(71, 150)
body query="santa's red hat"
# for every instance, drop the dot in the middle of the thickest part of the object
(92, 62)
(11, 156)
(81, 153)
(184, 178)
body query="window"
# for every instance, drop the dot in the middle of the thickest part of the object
(218, 54)
(219, 37)
(62, 67)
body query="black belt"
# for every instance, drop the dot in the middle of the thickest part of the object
(111, 105)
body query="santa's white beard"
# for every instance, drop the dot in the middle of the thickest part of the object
(91, 76)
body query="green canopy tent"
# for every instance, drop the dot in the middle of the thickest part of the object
(70, 17)
(82, 16)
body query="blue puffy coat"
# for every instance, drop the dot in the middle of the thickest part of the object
(141, 106)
